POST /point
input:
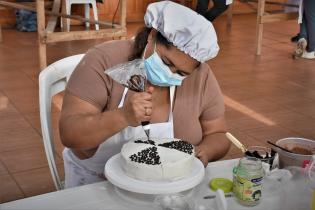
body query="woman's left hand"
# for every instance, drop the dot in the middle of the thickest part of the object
(202, 155)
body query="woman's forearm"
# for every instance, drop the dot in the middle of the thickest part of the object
(216, 145)
(85, 131)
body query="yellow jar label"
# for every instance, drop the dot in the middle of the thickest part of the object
(247, 190)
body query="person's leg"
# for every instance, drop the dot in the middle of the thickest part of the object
(202, 6)
(303, 33)
(309, 12)
(302, 40)
(295, 38)
(219, 6)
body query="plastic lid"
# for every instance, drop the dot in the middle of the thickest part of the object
(221, 183)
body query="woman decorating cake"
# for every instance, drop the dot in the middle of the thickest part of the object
(182, 98)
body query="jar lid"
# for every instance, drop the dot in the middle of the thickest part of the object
(221, 183)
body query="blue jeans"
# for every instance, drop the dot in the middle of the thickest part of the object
(307, 27)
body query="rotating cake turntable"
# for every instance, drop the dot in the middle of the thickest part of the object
(117, 176)
(155, 166)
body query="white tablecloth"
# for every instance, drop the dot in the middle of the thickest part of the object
(105, 196)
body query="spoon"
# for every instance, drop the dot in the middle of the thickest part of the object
(236, 142)
(273, 144)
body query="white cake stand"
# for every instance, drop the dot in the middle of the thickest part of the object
(116, 175)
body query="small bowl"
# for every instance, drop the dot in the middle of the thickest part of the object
(262, 151)
(293, 159)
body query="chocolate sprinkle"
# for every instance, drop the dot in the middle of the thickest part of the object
(148, 156)
(145, 142)
(182, 146)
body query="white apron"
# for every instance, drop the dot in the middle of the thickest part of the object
(80, 172)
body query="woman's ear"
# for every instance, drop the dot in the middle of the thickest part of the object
(152, 35)
(150, 43)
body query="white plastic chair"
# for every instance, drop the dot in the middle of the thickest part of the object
(53, 80)
(86, 11)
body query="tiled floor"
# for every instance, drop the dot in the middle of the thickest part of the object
(267, 97)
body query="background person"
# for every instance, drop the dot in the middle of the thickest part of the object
(219, 6)
(306, 44)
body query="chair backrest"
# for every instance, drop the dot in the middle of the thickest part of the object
(53, 80)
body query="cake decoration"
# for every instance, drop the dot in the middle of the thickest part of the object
(157, 159)
(179, 145)
(148, 156)
(145, 142)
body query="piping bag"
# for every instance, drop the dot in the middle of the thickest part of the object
(131, 75)
(137, 83)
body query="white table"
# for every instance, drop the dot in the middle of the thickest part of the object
(105, 196)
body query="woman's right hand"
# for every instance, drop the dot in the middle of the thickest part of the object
(138, 107)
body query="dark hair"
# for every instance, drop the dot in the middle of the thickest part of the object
(141, 41)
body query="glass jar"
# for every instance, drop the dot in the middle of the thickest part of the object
(247, 181)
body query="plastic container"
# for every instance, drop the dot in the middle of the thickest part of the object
(293, 159)
(297, 192)
(173, 202)
(224, 184)
(310, 172)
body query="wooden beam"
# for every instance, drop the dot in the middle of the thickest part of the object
(276, 3)
(83, 35)
(48, 4)
(18, 6)
(278, 17)
(76, 17)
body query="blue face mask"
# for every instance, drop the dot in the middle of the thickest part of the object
(160, 74)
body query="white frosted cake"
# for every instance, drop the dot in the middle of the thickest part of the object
(157, 160)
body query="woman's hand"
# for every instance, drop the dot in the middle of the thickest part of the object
(138, 107)
(202, 155)
(214, 144)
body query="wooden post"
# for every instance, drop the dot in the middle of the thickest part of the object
(230, 16)
(52, 22)
(64, 20)
(123, 15)
(40, 7)
(259, 26)
(0, 34)
(0, 30)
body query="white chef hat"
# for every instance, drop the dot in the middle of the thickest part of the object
(186, 29)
